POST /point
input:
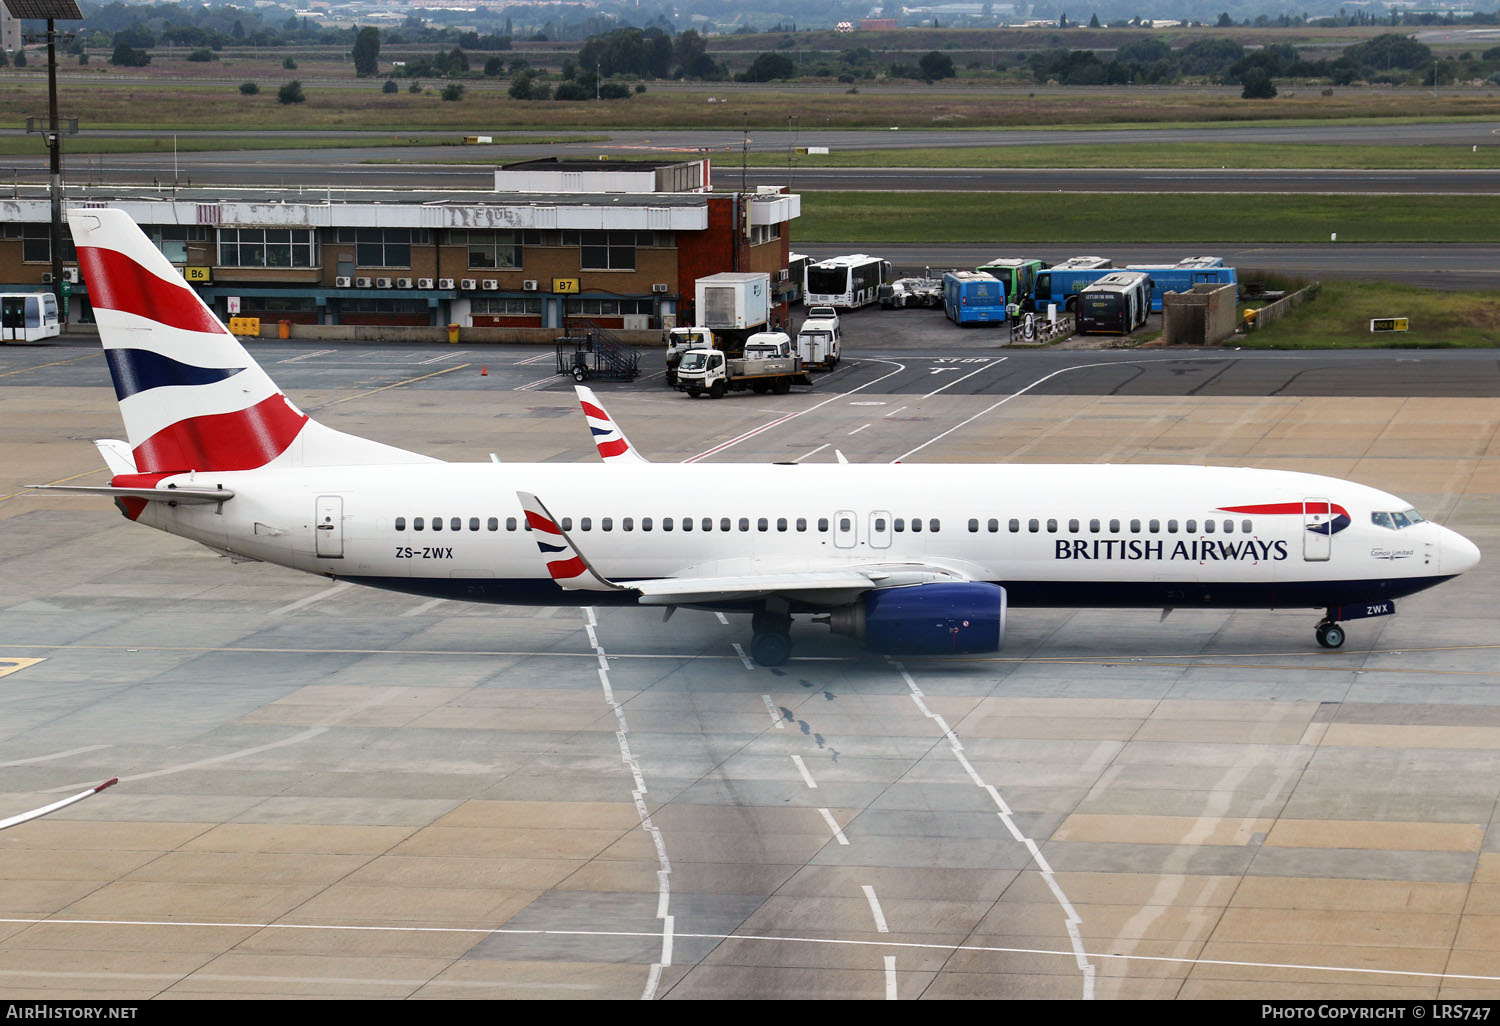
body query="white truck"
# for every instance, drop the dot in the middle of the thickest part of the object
(768, 365)
(731, 307)
(818, 343)
(679, 341)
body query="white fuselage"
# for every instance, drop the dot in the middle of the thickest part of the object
(1084, 535)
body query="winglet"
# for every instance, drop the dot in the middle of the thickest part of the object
(570, 570)
(613, 446)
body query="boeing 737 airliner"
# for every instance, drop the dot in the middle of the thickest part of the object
(907, 558)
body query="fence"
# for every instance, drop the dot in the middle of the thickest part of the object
(1279, 309)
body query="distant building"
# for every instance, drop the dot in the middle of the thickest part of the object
(878, 24)
(10, 30)
(620, 243)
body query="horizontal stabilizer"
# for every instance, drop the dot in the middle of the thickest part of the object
(172, 493)
(117, 455)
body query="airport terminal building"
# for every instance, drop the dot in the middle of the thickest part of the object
(619, 243)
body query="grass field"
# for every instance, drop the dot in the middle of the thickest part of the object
(859, 217)
(191, 143)
(162, 100)
(1156, 155)
(1339, 318)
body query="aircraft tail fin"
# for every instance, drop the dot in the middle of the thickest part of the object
(611, 442)
(191, 396)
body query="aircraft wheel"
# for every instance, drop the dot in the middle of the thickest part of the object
(771, 648)
(1330, 635)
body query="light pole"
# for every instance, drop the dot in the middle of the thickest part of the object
(51, 11)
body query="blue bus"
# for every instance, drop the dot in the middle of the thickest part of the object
(973, 298)
(1182, 278)
(1061, 285)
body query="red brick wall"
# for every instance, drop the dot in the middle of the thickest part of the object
(710, 251)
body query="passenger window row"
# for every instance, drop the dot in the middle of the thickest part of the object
(800, 525)
(1096, 526)
(685, 524)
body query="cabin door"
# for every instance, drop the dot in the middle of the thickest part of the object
(1317, 533)
(330, 527)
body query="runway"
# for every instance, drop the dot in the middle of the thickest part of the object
(332, 792)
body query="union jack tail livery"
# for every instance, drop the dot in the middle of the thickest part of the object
(191, 396)
(613, 446)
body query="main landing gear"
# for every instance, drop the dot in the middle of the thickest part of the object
(771, 640)
(1330, 634)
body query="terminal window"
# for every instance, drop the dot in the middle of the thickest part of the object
(497, 249)
(383, 247)
(267, 247)
(36, 243)
(607, 251)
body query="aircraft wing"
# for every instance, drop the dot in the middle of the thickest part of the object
(573, 571)
(835, 585)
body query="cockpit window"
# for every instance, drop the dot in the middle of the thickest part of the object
(1396, 521)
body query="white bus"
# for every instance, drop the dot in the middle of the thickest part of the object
(845, 281)
(1116, 304)
(28, 317)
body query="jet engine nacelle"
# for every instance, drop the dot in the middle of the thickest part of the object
(926, 619)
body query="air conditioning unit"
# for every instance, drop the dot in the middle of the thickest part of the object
(424, 283)
(403, 283)
(491, 284)
(383, 283)
(46, 277)
(445, 283)
(783, 275)
(342, 282)
(529, 285)
(363, 283)
(467, 283)
(660, 286)
(70, 274)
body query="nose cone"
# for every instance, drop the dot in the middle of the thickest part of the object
(1459, 554)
